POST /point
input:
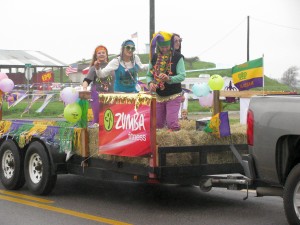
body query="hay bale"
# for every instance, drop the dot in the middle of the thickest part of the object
(187, 124)
(187, 136)
(93, 133)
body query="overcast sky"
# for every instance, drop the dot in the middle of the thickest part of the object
(214, 30)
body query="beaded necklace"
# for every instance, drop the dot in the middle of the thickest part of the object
(162, 65)
(105, 83)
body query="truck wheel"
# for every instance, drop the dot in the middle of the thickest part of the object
(38, 175)
(291, 196)
(11, 165)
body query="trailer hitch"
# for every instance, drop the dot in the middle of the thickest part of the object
(230, 180)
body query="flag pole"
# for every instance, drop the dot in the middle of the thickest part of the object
(263, 69)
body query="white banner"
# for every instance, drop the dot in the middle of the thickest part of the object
(46, 102)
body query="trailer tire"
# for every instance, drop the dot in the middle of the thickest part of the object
(11, 165)
(38, 176)
(291, 194)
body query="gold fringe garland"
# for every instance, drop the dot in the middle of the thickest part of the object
(4, 126)
(26, 136)
(77, 138)
(167, 98)
(136, 99)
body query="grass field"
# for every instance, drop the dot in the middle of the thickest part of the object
(56, 108)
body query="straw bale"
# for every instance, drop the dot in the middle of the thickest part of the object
(93, 133)
(187, 136)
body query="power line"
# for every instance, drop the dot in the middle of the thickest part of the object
(275, 24)
(223, 38)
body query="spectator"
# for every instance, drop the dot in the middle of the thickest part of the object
(184, 114)
(184, 103)
(165, 74)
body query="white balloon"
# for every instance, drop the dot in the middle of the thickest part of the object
(69, 95)
(6, 85)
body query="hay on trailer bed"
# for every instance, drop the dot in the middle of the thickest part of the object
(187, 136)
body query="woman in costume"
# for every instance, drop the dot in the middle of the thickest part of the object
(177, 42)
(125, 67)
(99, 60)
(165, 74)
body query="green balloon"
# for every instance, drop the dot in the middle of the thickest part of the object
(72, 112)
(216, 82)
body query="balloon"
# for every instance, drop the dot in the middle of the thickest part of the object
(69, 95)
(216, 82)
(3, 75)
(200, 89)
(206, 101)
(6, 85)
(72, 112)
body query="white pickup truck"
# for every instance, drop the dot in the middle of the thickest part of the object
(274, 146)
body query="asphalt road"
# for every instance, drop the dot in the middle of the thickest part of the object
(77, 201)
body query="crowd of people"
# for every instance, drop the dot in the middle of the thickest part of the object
(165, 72)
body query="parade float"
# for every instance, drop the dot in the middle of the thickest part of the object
(125, 146)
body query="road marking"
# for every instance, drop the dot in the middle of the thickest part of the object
(250, 191)
(63, 211)
(41, 200)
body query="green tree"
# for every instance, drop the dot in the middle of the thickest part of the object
(191, 60)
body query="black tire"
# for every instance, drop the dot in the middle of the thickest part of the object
(38, 176)
(291, 190)
(11, 165)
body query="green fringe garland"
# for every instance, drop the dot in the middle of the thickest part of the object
(84, 105)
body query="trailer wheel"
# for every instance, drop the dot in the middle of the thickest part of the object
(291, 196)
(38, 175)
(11, 165)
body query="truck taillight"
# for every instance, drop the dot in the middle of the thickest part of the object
(250, 122)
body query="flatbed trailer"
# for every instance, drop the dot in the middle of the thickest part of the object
(162, 173)
(34, 155)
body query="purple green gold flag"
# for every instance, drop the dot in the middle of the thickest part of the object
(248, 75)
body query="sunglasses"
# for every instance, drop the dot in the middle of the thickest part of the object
(130, 48)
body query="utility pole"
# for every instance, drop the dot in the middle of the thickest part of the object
(248, 37)
(152, 19)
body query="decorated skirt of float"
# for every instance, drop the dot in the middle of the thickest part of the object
(60, 133)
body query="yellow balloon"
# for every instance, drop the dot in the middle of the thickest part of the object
(216, 82)
(72, 112)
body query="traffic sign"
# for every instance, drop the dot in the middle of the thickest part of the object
(27, 65)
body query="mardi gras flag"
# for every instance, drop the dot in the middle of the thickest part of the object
(248, 75)
(219, 125)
